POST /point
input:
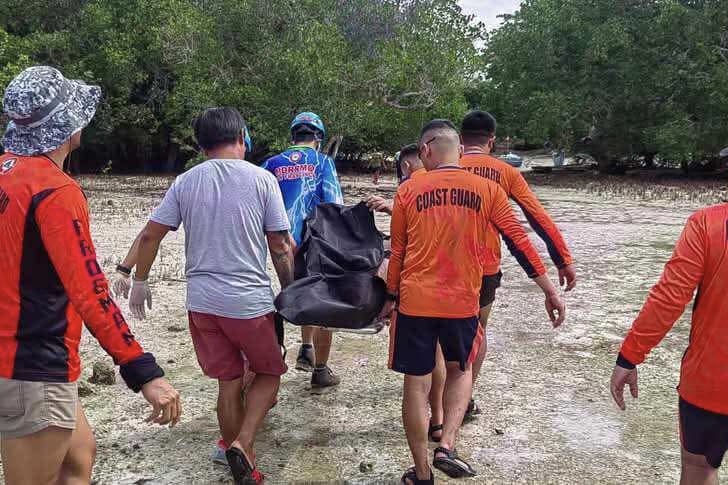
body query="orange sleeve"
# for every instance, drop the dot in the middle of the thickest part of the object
(513, 234)
(64, 226)
(667, 300)
(540, 221)
(398, 233)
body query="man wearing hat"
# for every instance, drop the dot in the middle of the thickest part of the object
(51, 282)
(308, 178)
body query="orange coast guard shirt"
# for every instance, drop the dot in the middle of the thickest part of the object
(700, 261)
(49, 277)
(439, 231)
(516, 187)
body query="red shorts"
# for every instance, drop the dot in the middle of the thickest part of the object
(223, 345)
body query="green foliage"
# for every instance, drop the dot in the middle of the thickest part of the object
(642, 77)
(375, 70)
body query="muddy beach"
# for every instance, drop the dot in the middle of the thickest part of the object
(548, 416)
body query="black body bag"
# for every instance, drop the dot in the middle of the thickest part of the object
(335, 272)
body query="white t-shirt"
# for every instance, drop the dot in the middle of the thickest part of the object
(226, 207)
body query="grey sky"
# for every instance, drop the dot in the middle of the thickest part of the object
(488, 10)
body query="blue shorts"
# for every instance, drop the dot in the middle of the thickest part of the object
(413, 342)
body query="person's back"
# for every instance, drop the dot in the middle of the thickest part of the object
(517, 189)
(224, 206)
(307, 178)
(448, 215)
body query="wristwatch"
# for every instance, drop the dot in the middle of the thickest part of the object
(392, 297)
(123, 270)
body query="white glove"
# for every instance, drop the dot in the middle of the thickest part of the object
(121, 284)
(140, 293)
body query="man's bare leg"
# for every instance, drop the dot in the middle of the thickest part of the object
(230, 409)
(79, 462)
(696, 470)
(480, 358)
(414, 418)
(322, 339)
(458, 388)
(437, 390)
(35, 459)
(261, 394)
(307, 334)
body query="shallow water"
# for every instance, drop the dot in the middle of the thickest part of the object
(548, 416)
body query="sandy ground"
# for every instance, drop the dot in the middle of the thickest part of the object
(548, 417)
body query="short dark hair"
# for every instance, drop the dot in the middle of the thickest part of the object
(218, 127)
(405, 151)
(478, 126)
(438, 124)
(305, 133)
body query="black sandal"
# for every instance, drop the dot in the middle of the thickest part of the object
(451, 464)
(411, 475)
(244, 472)
(434, 428)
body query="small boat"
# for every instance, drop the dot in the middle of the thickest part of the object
(512, 159)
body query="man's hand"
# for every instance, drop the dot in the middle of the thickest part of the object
(121, 284)
(556, 309)
(620, 377)
(140, 293)
(567, 276)
(165, 401)
(379, 204)
(387, 309)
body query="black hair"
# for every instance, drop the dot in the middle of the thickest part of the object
(438, 124)
(478, 126)
(305, 134)
(218, 127)
(405, 151)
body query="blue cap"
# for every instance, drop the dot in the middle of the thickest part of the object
(309, 119)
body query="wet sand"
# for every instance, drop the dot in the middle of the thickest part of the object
(548, 416)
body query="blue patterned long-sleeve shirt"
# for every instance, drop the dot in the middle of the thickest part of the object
(307, 178)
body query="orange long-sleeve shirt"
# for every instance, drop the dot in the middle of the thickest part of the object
(700, 261)
(439, 232)
(50, 280)
(511, 180)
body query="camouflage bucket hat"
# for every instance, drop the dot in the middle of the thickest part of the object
(45, 110)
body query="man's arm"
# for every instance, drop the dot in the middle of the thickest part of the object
(546, 228)
(521, 248)
(664, 305)
(121, 281)
(330, 187)
(398, 234)
(667, 300)
(281, 252)
(148, 243)
(63, 222)
(380, 204)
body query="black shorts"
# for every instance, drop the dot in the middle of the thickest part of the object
(413, 342)
(488, 287)
(703, 432)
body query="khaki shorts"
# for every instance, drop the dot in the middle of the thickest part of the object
(28, 407)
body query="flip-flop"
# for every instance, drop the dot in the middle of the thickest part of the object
(451, 464)
(244, 473)
(434, 428)
(411, 475)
